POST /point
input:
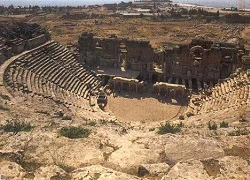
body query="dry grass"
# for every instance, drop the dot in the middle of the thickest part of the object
(159, 33)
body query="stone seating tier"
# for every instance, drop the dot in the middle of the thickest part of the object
(232, 92)
(52, 72)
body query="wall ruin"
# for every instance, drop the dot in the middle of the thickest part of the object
(18, 37)
(195, 65)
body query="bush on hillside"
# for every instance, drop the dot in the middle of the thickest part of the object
(16, 126)
(224, 124)
(74, 132)
(168, 128)
(212, 126)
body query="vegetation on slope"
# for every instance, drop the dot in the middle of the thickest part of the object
(74, 132)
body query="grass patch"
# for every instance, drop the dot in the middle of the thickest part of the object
(239, 132)
(212, 126)
(3, 108)
(224, 124)
(16, 126)
(92, 123)
(65, 167)
(151, 129)
(169, 128)
(5, 97)
(74, 132)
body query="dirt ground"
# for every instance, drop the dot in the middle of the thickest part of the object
(134, 108)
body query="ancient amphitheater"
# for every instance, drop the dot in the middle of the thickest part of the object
(177, 113)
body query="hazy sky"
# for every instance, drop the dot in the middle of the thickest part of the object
(217, 3)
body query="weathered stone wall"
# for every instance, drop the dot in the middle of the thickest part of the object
(201, 60)
(18, 47)
(18, 37)
(109, 47)
(86, 42)
(2, 58)
(139, 53)
(107, 50)
(36, 41)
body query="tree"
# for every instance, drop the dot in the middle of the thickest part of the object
(218, 13)
(184, 11)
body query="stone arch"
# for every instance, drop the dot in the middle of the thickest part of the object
(118, 86)
(197, 49)
(196, 53)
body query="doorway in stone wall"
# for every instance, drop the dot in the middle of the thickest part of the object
(154, 78)
(194, 84)
(125, 87)
(224, 72)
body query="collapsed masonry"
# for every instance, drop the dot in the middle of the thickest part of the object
(18, 37)
(198, 65)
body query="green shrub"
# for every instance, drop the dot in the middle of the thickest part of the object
(168, 128)
(4, 108)
(66, 168)
(224, 124)
(16, 126)
(5, 97)
(239, 132)
(151, 129)
(212, 126)
(92, 123)
(66, 118)
(74, 132)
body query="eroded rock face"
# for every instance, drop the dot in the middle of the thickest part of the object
(101, 173)
(153, 169)
(181, 148)
(50, 172)
(236, 146)
(11, 170)
(54, 149)
(128, 159)
(228, 167)
(189, 170)
(234, 168)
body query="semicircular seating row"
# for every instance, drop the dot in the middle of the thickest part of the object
(232, 92)
(52, 72)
